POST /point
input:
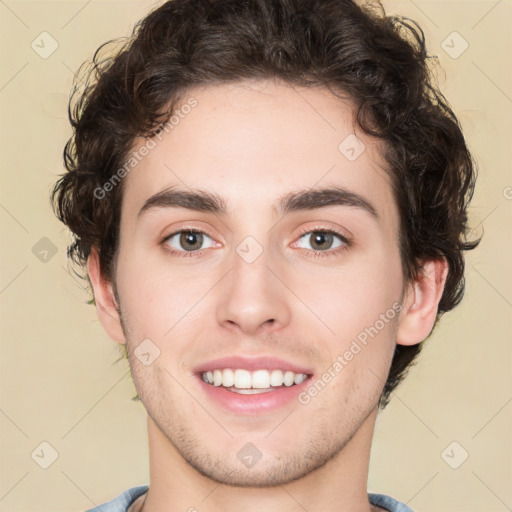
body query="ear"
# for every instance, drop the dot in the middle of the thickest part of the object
(104, 298)
(421, 303)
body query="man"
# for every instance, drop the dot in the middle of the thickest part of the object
(269, 198)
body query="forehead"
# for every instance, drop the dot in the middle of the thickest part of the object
(254, 142)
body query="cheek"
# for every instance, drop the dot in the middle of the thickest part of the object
(357, 370)
(152, 300)
(350, 298)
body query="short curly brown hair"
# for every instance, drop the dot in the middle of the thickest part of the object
(378, 61)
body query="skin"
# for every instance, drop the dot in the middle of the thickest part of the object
(252, 142)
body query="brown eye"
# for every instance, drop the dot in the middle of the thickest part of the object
(321, 240)
(186, 240)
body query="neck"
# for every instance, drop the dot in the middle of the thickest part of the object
(340, 485)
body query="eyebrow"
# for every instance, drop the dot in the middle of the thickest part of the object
(301, 200)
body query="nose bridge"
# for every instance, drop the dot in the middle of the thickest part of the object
(252, 295)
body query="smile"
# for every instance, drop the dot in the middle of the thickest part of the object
(246, 382)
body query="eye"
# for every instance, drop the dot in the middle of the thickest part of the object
(186, 241)
(321, 241)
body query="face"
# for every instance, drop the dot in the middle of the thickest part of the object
(260, 280)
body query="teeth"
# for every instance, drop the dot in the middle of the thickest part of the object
(250, 391)
(228, 378)
(289, 377)
(242, 379)
(217, 377)
(300, 377)
(276, 378)
(259, 379)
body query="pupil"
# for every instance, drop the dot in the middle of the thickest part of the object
(320, 238)
(188, 238)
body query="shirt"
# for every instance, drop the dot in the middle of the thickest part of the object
(124, 500)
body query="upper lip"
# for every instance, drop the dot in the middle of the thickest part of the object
(251, 364)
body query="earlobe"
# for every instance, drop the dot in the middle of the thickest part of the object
(421, 303)
(104, 298)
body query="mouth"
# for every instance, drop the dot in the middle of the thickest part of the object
(246, 382)
(252, 386)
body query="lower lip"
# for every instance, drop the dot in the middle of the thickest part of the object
(252, 405)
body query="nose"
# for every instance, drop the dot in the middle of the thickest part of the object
(252, 298)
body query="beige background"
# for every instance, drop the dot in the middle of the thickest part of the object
(59, 383)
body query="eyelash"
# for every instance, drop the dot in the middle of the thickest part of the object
(316, 254)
